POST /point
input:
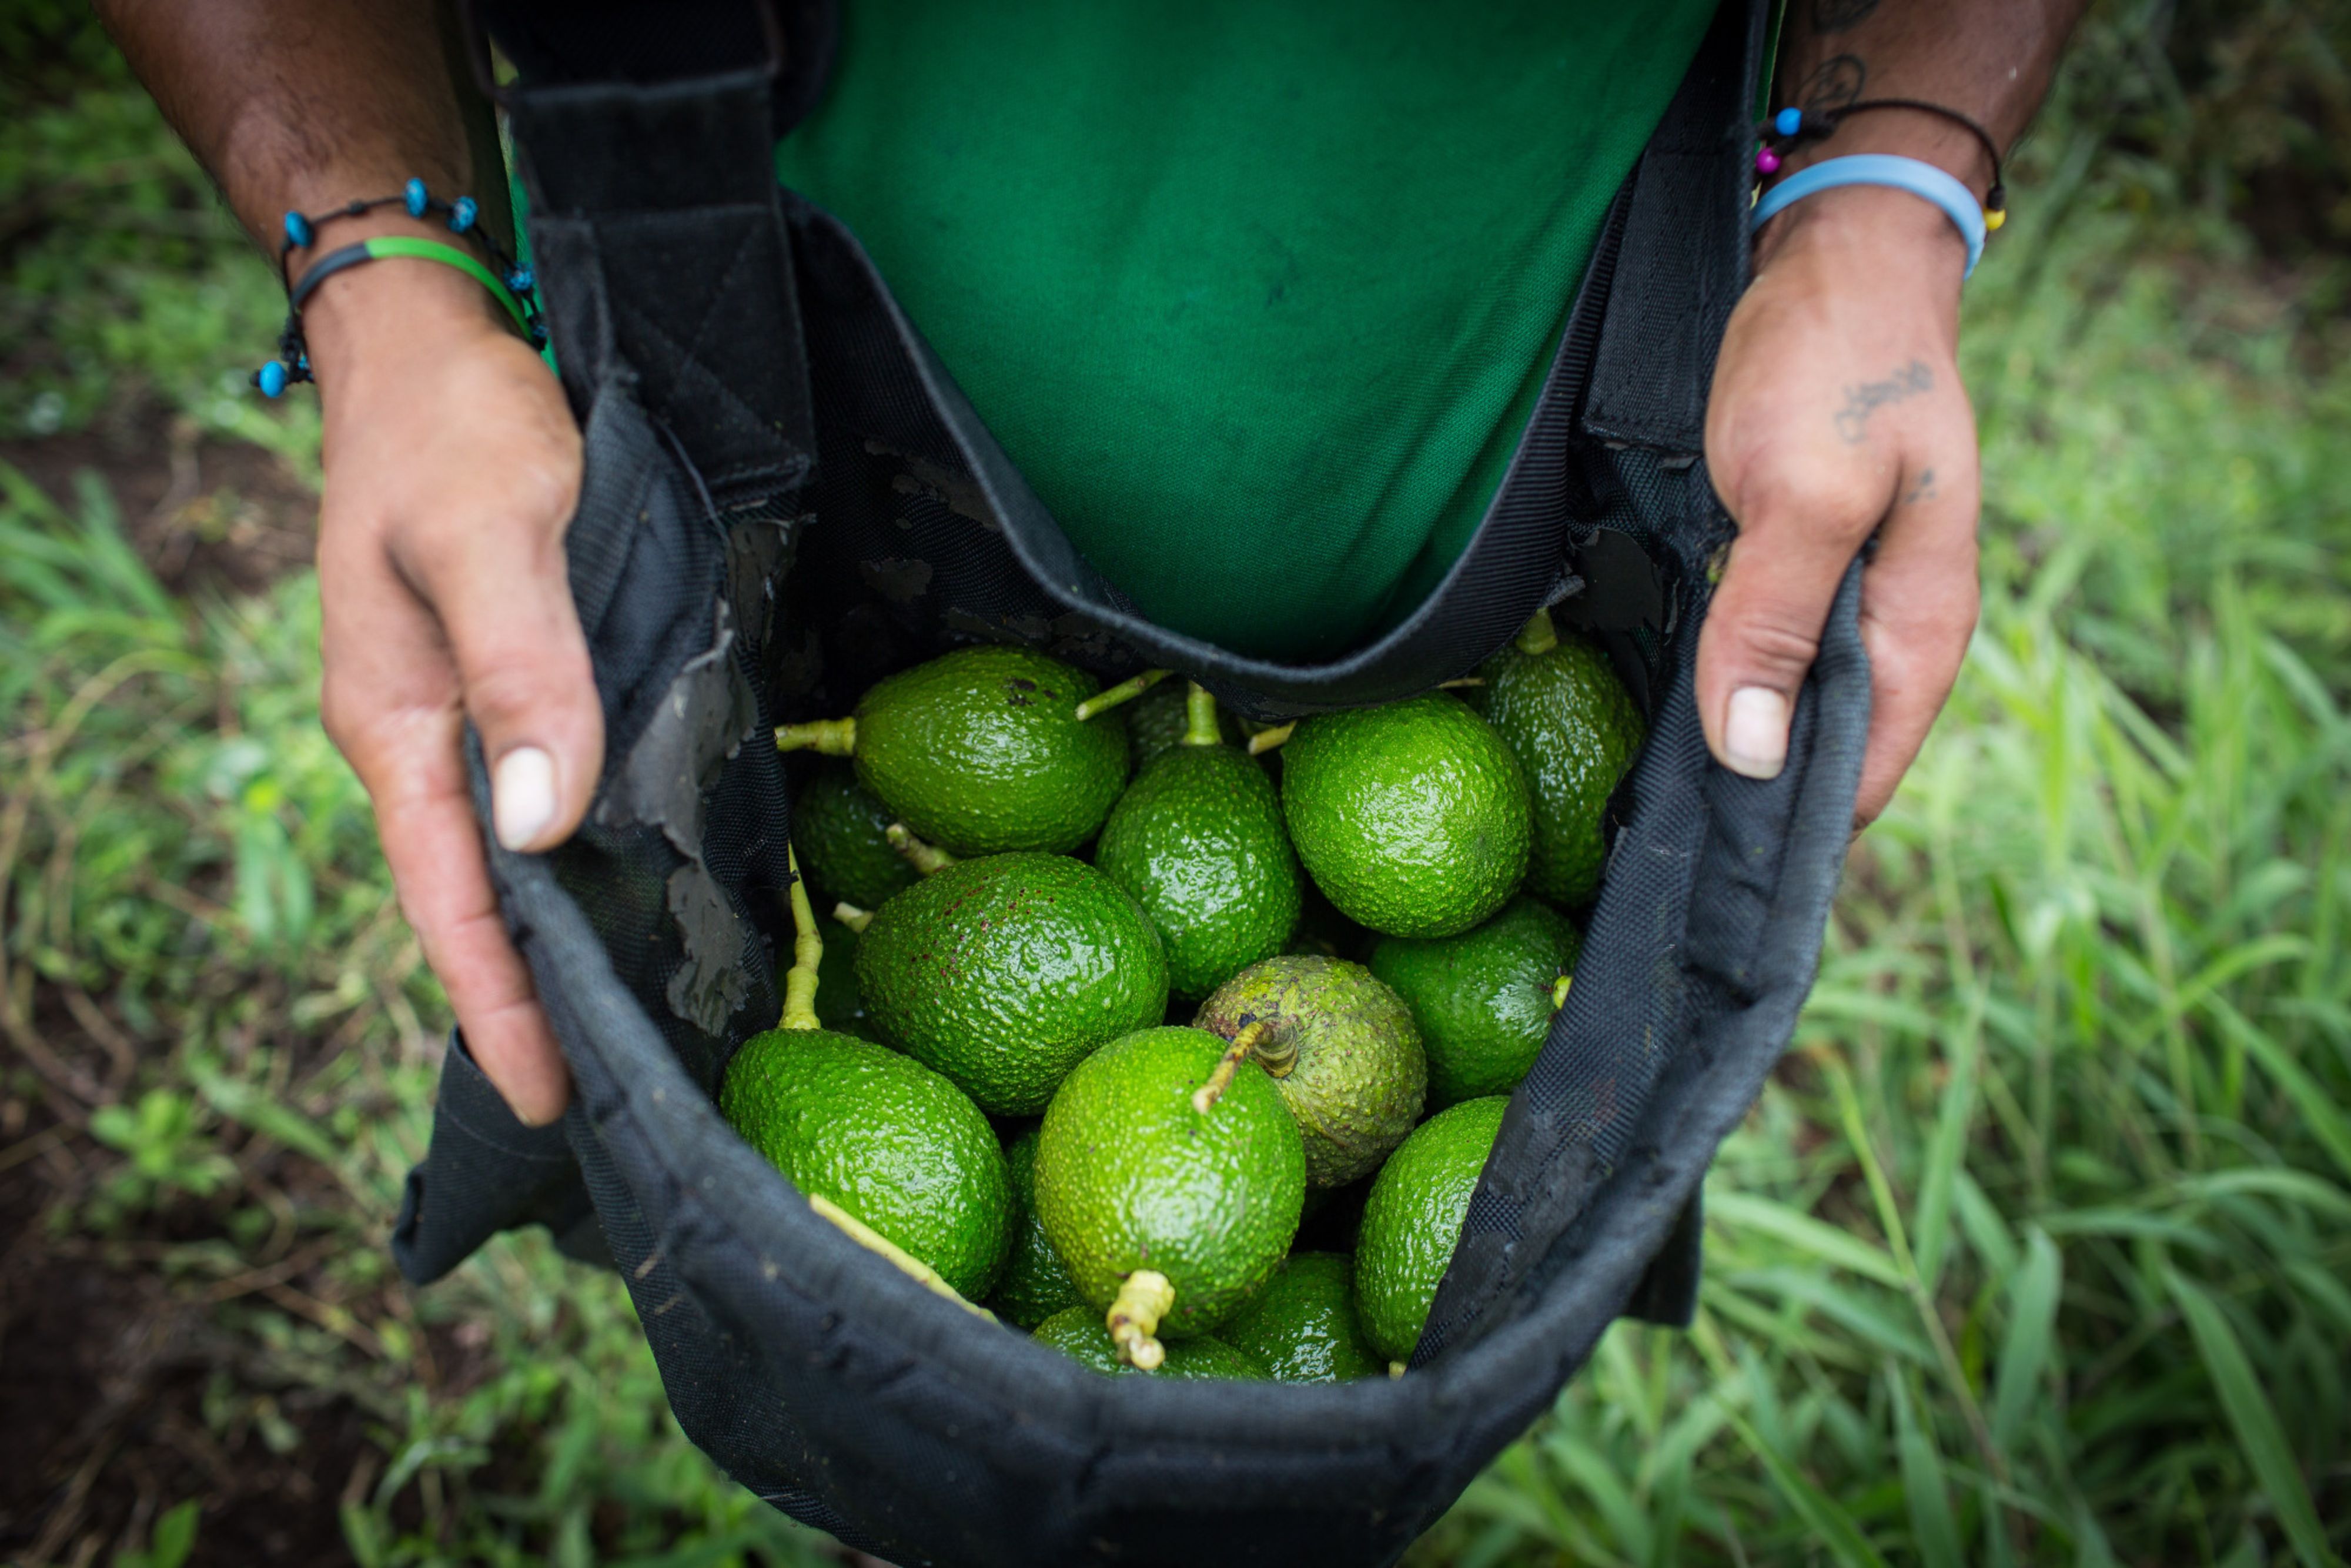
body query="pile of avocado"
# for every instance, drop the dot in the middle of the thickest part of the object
(1181, 1051)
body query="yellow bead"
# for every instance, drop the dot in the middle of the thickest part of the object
(1995, 216)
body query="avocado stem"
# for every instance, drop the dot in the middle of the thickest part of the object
(1559, 991)
(848, 914)
(826, 737)
(1221, 1078)
(867, 1236)
(1126, 691)
(1277, 1053)
(925, 858)
(1144, 1297)
(1538, 636)
(1200, 718)
(1266, 740)
(808, 953)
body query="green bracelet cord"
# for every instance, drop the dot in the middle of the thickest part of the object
(447, 255)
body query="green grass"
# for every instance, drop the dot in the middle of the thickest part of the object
(2036, 1250)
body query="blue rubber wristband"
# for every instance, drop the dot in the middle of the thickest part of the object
(1922, 179)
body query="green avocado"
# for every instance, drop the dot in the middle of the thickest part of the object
(1301, 1327)
(1357, 1073)
(1005, 971)
(1080, 1333)
(891, 1141)
(1197, 840)
(1132, 1174)
(1412, 1221)
(1483, 999)
(982, 751)
(1574, 727)
(1412, 817)
(1035, 1283)
(836, 828)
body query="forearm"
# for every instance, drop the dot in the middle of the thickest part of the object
(293, 104)
(1990, 61)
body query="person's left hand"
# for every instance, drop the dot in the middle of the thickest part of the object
(1837, 413)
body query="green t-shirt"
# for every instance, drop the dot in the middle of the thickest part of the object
(1258, 293)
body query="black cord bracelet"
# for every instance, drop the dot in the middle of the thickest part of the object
(1791, 128)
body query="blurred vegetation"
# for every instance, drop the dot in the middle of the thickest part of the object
(2035, 1251)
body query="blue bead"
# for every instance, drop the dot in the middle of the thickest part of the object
(521, 280)
(1788, 121)
(418, 198)
(270, 379)
(461, 215)
(298, 229)
(303, 364)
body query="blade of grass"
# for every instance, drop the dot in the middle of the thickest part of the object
(1949, 1150)
(1923, 1486)
(1838, 1249)
(2024, 1352)
(1834, 1528)
(2253, 1419)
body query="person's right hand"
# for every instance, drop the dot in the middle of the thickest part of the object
(451, 471)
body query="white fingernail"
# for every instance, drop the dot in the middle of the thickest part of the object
(522, 796)
(1755, 732)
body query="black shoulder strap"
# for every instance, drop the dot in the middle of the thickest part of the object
(1684, 260)
(656, 204)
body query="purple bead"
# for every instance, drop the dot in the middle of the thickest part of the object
(1767, 161)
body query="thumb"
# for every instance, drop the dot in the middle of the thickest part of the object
(1761, 632)
(504, 599)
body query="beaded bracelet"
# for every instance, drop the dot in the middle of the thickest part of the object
(511, 284)
(1793, 126)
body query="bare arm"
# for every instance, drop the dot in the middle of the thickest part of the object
(1837, 410)
(451, 465)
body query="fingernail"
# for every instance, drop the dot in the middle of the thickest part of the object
(522, 794)
(1755, 733)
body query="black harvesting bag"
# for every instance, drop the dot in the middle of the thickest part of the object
(786, 496)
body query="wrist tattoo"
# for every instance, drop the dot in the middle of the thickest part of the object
(1832, 84)
(1864, 398)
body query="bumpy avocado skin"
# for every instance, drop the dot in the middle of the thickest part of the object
(1129, 1176)
(887, 1139)
(837, 829)
(1414, 817)
(1157, 720)
(1574, 728)
(1081, 1335)
(982, 751)
(1360, 1076)
(1035, 1283)
(1004, 972)
(1197, 840)
(1483, 999)
(1301, 1327)
(1412, 1219)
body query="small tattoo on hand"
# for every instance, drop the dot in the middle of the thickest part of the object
(1924, 490)
(1832, 84)
(1866, 398)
